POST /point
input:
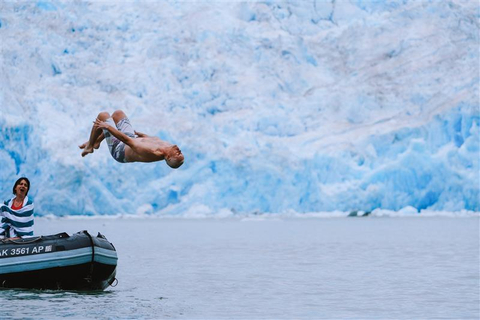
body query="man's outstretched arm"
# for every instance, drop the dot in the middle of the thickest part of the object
(140, 135)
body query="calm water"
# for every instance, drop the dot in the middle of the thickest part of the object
(380, 268)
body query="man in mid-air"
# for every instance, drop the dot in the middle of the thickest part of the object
(128, 145)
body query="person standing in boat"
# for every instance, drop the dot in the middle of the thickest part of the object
(128, 145)
(17, 213)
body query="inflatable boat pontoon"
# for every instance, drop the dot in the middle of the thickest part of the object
(60, 262)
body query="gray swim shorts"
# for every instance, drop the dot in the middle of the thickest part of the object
(117, 147)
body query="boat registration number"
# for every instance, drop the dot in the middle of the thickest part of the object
(25, 250)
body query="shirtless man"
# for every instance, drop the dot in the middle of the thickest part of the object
(125, 146)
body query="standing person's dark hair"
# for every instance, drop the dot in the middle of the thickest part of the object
(20, 180)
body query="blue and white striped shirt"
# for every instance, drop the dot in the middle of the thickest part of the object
(16, 223)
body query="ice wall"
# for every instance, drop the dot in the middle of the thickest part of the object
(278, 106)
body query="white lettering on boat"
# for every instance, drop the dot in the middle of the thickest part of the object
(25, 250)
(18, 251)
(38, 249)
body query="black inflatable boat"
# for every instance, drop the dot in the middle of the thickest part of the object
(60, 262)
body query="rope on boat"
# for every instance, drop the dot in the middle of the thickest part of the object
(22, 240)
(89, 279)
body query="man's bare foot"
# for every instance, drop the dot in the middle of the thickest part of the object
(84, 145)
(86, 151)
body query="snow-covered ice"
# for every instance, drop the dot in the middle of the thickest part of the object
(278, 106)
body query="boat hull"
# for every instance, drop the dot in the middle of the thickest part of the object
(59, 262)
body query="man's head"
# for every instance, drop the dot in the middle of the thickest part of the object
(174, 157)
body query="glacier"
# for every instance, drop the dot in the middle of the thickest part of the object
(279, 106)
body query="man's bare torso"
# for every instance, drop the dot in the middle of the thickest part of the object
(146, 149)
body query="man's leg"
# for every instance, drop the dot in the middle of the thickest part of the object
(118, 115)
(97, 143)
(123, 124)
(94, 135)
